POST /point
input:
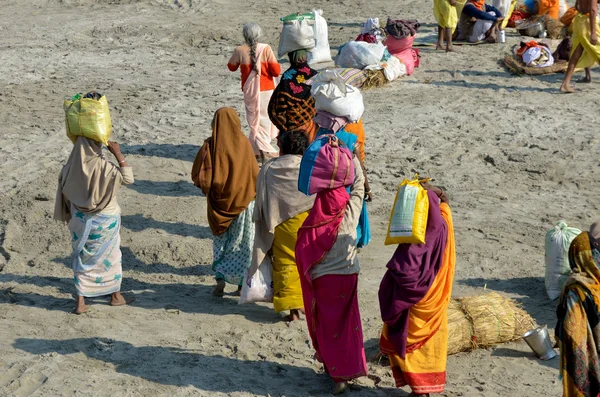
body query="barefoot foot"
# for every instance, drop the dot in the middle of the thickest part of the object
(566, 89)
(584, 80)
(219, 290)
(339, 388)
(293, 316)
(117, 299)
(80, 306)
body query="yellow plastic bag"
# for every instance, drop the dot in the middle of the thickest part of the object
(89, 118)
(408, 220)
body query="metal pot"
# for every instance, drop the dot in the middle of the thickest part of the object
(539, 341)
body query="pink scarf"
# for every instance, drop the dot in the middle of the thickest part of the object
(320, 229)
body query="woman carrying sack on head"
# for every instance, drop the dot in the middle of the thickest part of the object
(226, 170)
(87, 200)
(326, 258)
(259, 68)
(414, 296)
(292, 107)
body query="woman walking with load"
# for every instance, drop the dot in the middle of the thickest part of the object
(326, 257)
(226, 170)
(414, 296)
(259, 68)
(279, 212)
(87, 200)
(292, 107)
(578, 327)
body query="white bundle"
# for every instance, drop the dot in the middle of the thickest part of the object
(333, 95)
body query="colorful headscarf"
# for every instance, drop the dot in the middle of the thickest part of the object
(578, 327)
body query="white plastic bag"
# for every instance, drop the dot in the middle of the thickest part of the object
(393, 68)
(562, 8)
(296, 35)
(360, 54)
(502, 5)
(558, 241)
(333, 95)
(321, 52)
(259, 287)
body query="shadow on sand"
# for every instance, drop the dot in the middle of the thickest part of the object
(184, 152)
(166, 189)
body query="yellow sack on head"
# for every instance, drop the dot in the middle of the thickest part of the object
(89, 118)
(408, 220)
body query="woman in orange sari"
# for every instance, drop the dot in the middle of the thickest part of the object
(414, 296)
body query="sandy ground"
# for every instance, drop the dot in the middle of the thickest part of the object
(514, 154)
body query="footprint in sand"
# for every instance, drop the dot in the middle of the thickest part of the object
(4, 255)
(19, 382)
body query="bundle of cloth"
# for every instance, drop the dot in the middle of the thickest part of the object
(535, 54)
(371, 32)
(399, 42)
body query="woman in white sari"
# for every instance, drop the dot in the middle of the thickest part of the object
(86, 199)
(259, 68)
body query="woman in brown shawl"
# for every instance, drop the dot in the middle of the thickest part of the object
(226, 170)
(87, 200)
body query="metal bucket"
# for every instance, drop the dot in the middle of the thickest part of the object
(539, 341)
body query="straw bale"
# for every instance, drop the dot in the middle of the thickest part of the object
(485, 320)
(375, 79)
(460, 331)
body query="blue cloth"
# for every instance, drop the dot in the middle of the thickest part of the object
(474, 12)
(363, 231)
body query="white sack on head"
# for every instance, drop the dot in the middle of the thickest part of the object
(321, 52)
(296, 35)
(333, 95)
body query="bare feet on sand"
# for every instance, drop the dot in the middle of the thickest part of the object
(117, 299)
(584, 80)
(80, 307)
(219, 290)
(566, 89)
(293, 316)
(339, 388)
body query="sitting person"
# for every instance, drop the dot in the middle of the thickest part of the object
(279, 212)
(546, 7)
(578, 327)
(479, 21)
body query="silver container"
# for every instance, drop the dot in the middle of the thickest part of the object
(501, 36)
(543, 35)
(539, 341)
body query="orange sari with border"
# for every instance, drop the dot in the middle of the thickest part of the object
(424, 368)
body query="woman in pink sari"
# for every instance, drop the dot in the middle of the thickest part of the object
(326, 258)
(259, 68)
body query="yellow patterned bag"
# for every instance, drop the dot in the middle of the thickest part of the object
(408, 220)
(89, 118)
